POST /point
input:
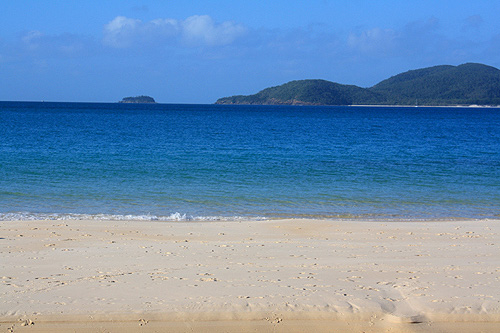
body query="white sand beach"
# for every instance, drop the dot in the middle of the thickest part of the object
(246, 276)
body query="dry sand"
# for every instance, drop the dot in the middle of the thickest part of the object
(263, 276)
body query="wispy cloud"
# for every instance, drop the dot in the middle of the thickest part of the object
(415, 39)
(142, 8)
(36, 42)
(376, 40)
(472, 22)
(197, 30)
(31, 39)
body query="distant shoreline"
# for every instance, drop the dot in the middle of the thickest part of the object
(368, 105)
(295, 105)
(432, 106)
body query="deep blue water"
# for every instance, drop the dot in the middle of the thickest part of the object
(214, 161)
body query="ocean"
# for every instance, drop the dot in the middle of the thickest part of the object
(222, 162)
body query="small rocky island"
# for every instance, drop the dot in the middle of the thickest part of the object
(138, 99)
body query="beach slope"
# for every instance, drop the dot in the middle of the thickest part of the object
(267, 276)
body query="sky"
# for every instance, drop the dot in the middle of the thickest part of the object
(199, 51)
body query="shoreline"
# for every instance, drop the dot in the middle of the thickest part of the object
(178, 217)
(270, 275)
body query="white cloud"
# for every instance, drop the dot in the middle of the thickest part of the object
(194, 31)
(203, 30)
(120, 31)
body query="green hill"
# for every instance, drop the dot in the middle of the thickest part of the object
(440, 85)
(443, 85)
(306, 92)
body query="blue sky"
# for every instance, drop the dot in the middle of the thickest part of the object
(198, 51)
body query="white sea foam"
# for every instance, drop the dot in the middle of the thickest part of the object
(26, 216)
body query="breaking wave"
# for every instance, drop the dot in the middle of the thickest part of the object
(26, 216)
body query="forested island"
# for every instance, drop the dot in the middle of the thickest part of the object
(138, 99)
(467, 84)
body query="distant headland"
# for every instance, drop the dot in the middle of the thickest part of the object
(138, 99)
(467, 84)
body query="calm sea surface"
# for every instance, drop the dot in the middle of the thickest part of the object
(79, 160)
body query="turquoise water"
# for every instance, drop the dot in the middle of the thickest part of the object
(128, 161)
